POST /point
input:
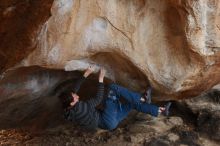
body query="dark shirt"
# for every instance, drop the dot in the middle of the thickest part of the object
(84, 113)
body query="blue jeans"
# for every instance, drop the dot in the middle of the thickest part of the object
(115, 112)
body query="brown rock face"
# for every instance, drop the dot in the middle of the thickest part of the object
(19, 25)
(172, 44)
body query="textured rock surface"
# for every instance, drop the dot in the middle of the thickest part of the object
(173, 43)
(144, 131)
(207, 109)
(27, 100)
(20, 21)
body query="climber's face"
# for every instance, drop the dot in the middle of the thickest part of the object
(75, 99)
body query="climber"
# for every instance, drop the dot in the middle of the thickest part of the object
(85, 113)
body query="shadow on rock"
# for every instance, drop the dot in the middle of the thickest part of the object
(29, 96)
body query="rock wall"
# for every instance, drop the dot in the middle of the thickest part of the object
(20, 21)
(29, 96)
(173, 44)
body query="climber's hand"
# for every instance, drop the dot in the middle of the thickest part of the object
(88, 71)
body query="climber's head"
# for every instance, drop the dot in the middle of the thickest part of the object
(69, 99)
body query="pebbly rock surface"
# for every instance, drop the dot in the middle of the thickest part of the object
(142, 130)
(207, 109)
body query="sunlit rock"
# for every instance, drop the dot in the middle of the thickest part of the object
(173, 45)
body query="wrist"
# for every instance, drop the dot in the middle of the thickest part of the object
(86, 74)
(101, 80)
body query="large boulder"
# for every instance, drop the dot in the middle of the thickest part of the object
(172, 44)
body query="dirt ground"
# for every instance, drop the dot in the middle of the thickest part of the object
(137, 129)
